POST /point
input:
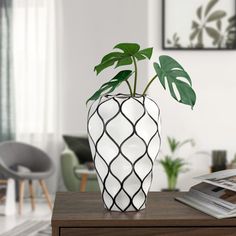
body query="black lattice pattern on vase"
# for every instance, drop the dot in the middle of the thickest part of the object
(106, 176)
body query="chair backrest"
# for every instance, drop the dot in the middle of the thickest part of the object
(80, 146)
(16, 153)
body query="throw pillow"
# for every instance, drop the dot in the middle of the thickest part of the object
(80, 146)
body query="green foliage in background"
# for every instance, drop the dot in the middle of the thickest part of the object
(174, 144)
(167, 70)
(172, 165)
(172, 168)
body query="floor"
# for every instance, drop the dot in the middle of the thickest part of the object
(42, 212)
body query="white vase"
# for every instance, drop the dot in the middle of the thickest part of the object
(124, 140)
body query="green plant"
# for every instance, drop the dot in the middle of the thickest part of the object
(169, 72)
(174, 145)
(174, 166)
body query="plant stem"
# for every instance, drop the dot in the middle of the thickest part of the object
(172, 180)
(135, 75)
(130, 89)
(149, 83)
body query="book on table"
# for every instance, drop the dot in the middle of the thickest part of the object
(215, 195)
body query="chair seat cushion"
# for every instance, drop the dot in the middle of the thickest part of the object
(34, 175)
(25, 173)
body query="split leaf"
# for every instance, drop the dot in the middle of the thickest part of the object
(111, 85)
(123, 57)
(169, 70)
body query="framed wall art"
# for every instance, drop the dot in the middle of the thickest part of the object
(199, 24)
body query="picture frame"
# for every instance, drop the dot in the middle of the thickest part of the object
(199, 25)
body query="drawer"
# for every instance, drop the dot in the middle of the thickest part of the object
(159, 231)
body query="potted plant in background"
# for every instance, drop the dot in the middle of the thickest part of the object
(123, 129)
(173, 165)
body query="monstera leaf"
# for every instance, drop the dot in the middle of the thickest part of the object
(126, 55)
(169, 70)
(111, 85)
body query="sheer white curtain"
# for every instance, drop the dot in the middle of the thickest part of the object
(35, 75)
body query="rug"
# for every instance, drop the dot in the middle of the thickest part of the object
(31, 228)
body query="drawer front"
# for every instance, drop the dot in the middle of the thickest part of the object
(172, 231)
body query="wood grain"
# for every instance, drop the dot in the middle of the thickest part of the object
(32, 196)
(55, 231)
(83, 182)
(46, 193)
(86, 210)
(175, 231)
(21, 195)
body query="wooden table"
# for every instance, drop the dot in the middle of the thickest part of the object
(82, 214)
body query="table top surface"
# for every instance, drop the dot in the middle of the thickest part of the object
(86, 210)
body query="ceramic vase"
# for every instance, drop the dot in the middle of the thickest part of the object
(124, 137)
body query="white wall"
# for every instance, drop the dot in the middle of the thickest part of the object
(91, 28)
(212, 123)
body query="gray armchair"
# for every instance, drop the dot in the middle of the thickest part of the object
(39, 167)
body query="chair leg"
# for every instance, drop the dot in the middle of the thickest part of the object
(83, 182)
(45, 191)
(32, 197)
(21, 195)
